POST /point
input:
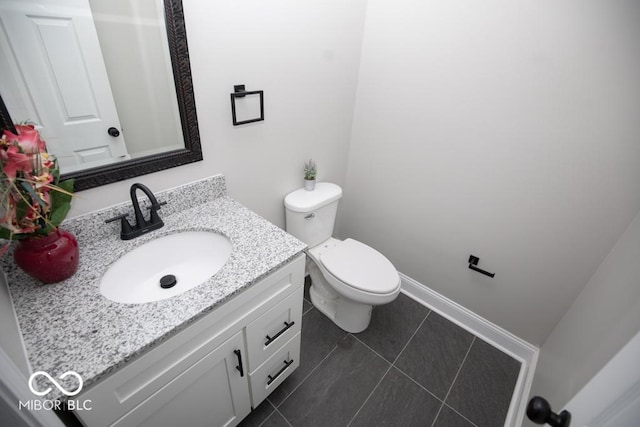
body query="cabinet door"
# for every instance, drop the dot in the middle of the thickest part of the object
(212, 392)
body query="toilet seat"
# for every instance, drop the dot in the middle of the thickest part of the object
(361, 267)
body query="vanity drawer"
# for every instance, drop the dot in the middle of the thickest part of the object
(274, 371)
(269, 332)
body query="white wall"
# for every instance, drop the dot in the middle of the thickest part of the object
(504, 129)
(507, 130)
(305, 56)
(140, 75)
(604, 317)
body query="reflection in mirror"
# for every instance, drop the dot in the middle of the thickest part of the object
(98, 77)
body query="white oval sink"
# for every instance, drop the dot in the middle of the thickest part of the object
(191, 257)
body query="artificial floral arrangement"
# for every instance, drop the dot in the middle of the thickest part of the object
(310, 170)
(33, 201)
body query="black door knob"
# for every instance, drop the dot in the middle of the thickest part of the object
(114, 132)
(539, 411)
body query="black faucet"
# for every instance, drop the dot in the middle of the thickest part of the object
(142, 226)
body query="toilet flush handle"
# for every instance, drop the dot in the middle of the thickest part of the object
(310, 216)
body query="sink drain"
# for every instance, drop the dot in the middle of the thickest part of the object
(168, 281)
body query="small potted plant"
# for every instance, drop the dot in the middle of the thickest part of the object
(310, 172)
(33, 203)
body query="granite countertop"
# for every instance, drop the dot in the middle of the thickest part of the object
(71, 326)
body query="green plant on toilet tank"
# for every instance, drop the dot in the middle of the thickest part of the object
(310, 170)
(310, 173)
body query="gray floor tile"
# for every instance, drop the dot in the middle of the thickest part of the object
(306, 306)
(319, 337)
(435, 353)
(449, 418)
(482, 392)
(334, 392)
(392, 325)
(276, 420)
(346, 374)
(258, 415)
(398, 401)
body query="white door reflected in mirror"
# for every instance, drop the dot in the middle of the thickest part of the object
(67, 71)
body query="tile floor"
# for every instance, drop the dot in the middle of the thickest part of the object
(411, 367)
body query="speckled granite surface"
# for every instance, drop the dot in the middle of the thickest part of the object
(71, 326)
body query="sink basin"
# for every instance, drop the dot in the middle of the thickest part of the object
(165, 267)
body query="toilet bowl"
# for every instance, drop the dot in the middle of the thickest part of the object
(347, 277)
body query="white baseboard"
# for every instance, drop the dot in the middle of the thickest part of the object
(517, 348)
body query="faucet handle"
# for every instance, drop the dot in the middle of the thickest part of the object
(154, 218)
(125, 227)
(115, 218)
(156, 206)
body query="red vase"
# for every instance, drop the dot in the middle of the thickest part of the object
(51, 258)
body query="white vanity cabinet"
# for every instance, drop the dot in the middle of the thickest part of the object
(217, 369)
(209, 393)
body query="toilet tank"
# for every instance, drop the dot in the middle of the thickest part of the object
(310, 215)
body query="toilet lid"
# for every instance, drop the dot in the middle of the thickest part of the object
(361, 267)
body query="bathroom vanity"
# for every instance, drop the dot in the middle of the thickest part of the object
(217, 369)
(202, 357)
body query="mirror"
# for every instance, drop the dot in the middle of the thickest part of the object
(181, 143)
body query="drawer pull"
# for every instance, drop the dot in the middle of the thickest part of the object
(284, 368)
(239, 367)
(275, 337)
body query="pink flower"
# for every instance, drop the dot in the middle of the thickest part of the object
(46, 160)
(27, 177)
(27, 138)
(42, 181)
(13, 161)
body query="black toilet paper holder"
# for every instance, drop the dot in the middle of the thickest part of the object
(473, 262)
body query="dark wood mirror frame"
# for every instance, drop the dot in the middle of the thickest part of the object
(192, 151)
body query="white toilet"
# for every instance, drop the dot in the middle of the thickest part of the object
(347, 277)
